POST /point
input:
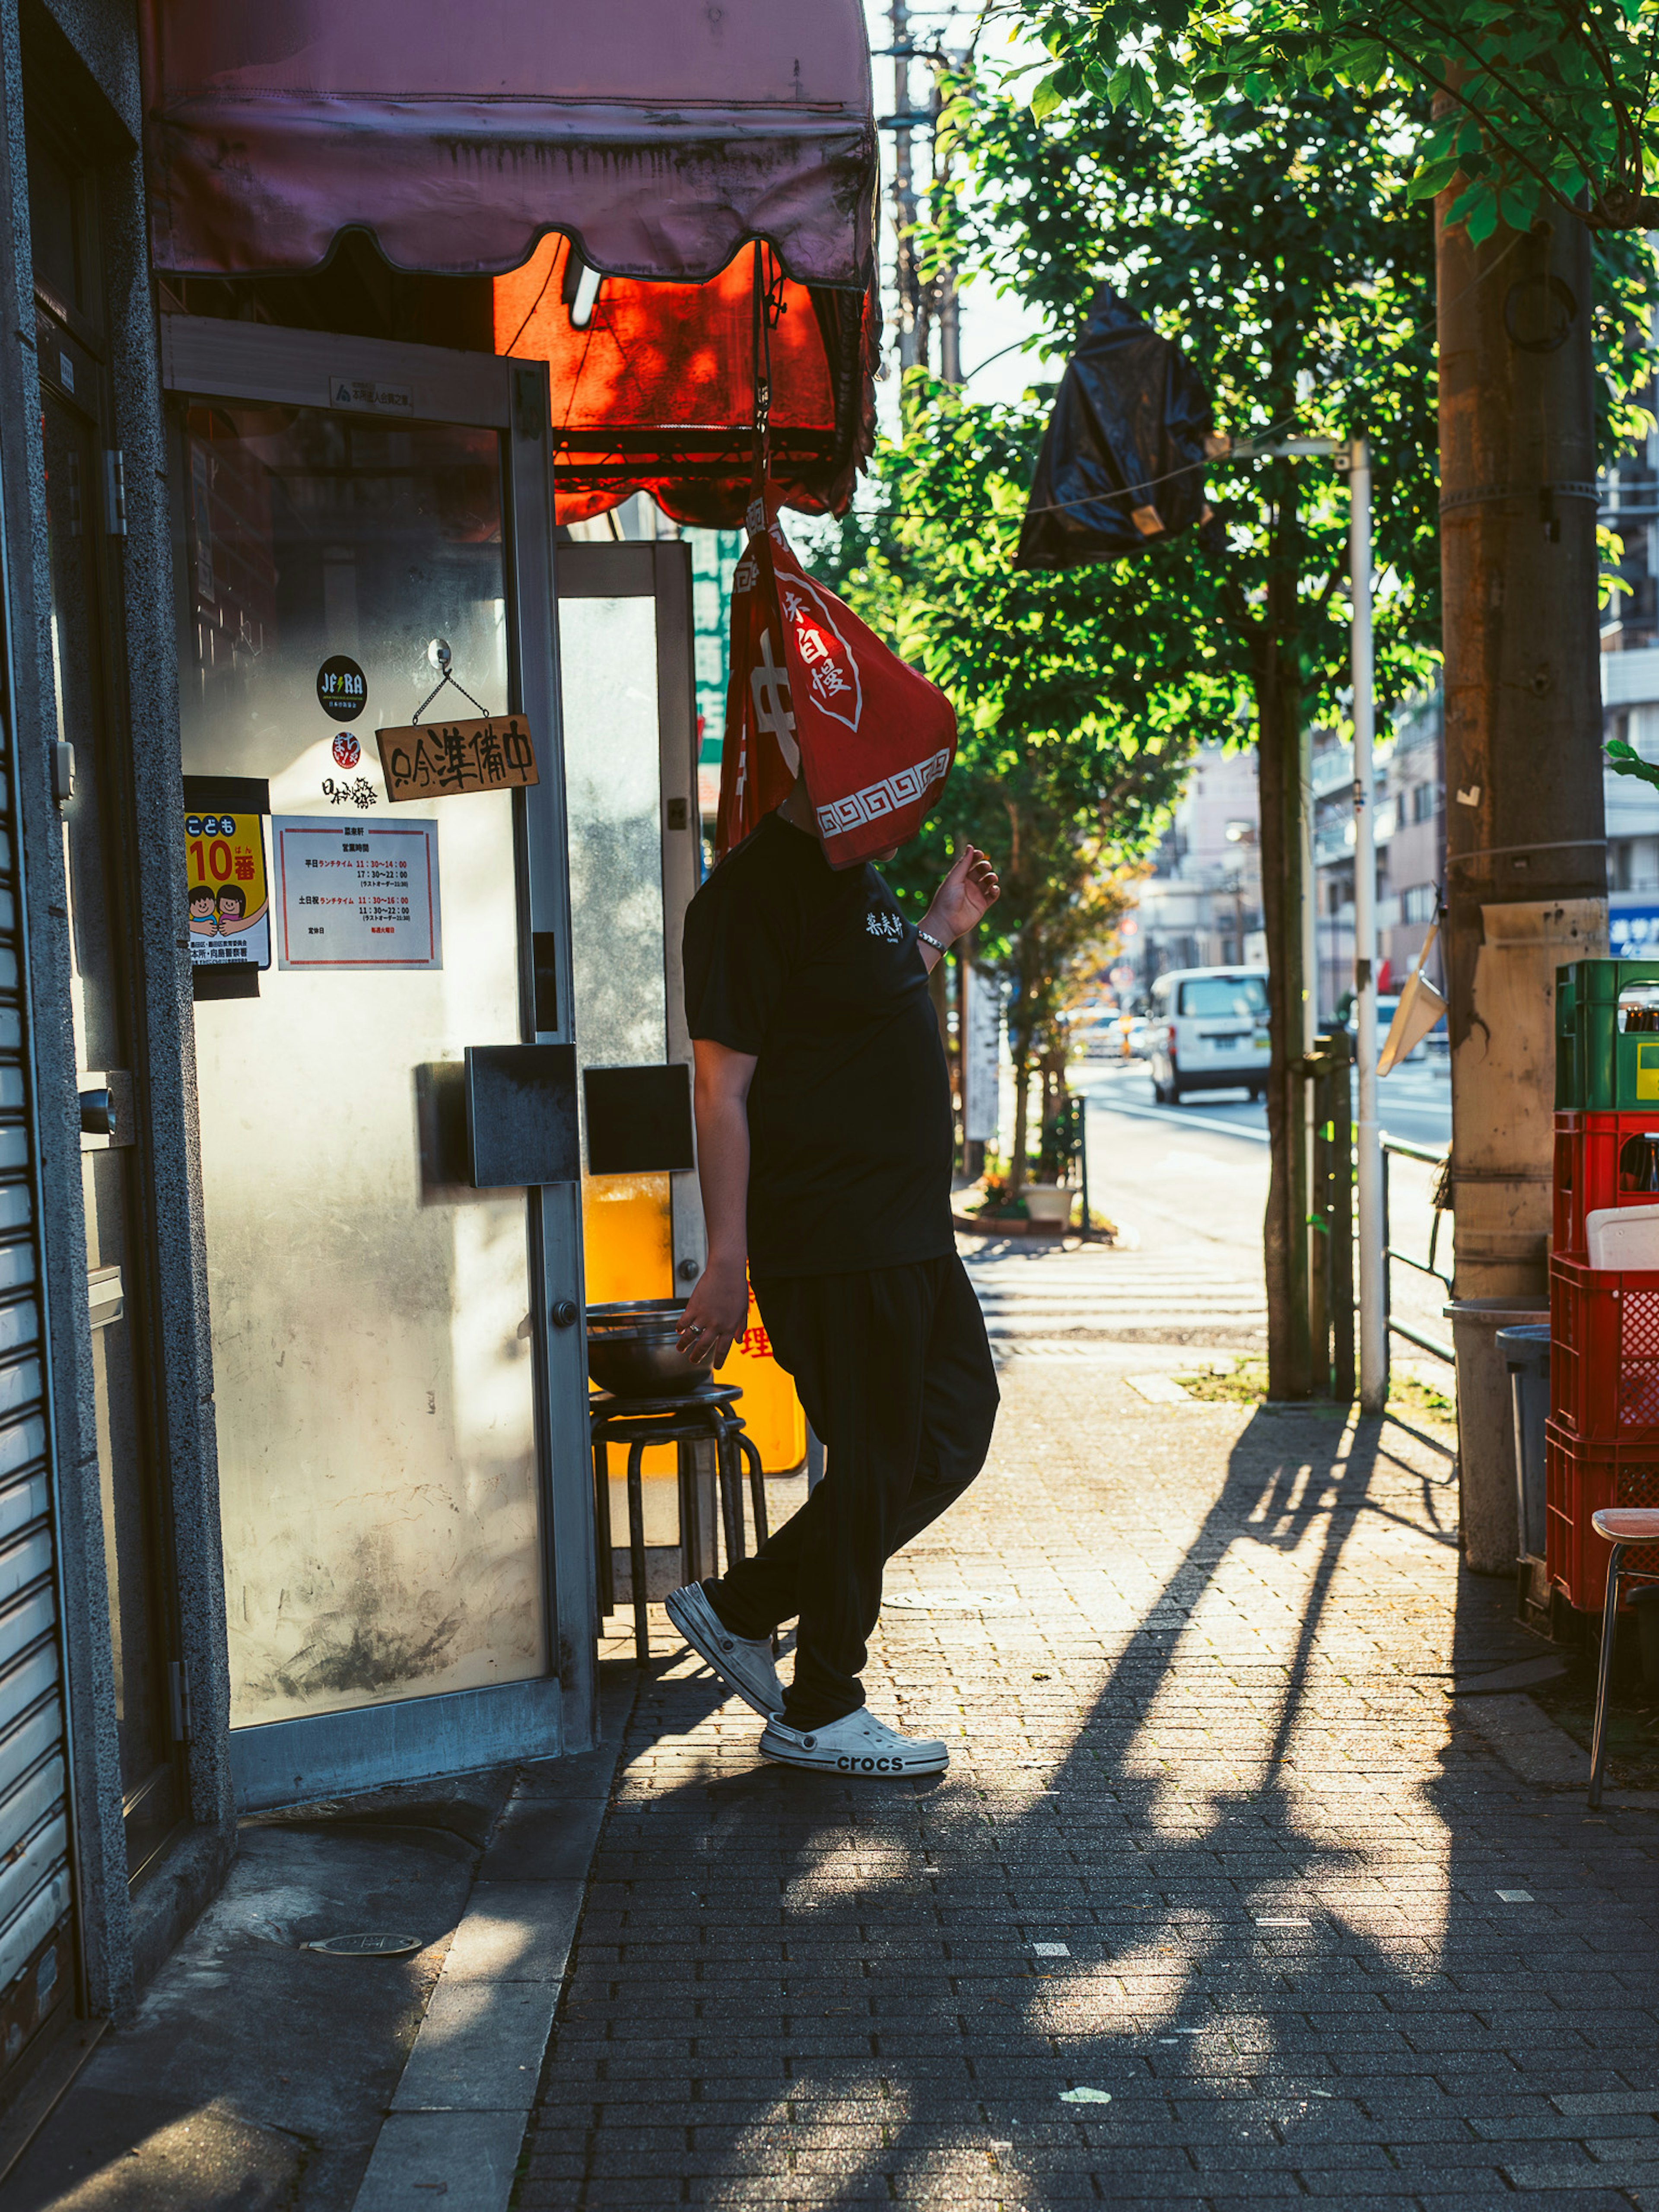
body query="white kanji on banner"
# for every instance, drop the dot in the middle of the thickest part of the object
(771, 685)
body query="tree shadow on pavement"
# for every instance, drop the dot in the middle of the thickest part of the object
(794, 1989)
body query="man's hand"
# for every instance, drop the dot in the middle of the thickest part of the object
(716, 1311)
(962, 899)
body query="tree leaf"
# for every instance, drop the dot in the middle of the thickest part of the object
(1045, 96)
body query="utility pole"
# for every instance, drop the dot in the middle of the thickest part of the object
(1525, 830)
(946, 312)
(911, 337)
(1526, 834)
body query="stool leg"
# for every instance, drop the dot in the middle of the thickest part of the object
(691, 1530)
(756, 1488)
(1604, 1676)
(727, 1475)
(603, 1560)
(636, 1556)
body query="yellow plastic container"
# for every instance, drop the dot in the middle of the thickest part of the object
(627, 1239)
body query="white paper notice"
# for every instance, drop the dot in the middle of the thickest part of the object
(356, 894)
(980, 1105)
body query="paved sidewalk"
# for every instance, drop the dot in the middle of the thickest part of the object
(1214, 1844)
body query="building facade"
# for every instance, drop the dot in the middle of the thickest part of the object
(1201, 905)
(291, 1289)
(1410, 843)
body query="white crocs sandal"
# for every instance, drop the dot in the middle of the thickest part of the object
(858, 1743)
(743, 1664)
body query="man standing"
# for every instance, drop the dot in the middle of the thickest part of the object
(824, 1151)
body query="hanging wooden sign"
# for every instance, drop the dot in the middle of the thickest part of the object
(437, 760)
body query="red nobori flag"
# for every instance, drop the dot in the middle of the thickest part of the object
(760, 758)
(813, 686)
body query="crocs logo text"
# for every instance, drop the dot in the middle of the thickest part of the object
(870, 1765)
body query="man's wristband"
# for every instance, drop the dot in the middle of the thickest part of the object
(927, 937)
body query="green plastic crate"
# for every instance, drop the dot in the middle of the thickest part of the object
(1567, 1099)
(1598, 1069)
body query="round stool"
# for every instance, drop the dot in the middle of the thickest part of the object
(703, 1416)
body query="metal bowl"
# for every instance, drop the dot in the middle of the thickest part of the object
(633, 1349)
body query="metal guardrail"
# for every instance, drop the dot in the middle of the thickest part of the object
(1398, 1144)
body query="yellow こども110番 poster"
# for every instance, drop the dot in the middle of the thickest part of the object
(229, 896)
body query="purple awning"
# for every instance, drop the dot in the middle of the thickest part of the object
(657, 135)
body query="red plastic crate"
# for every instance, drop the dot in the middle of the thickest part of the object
(1587, 1147)
(1580, 1478)
(1604, 1352)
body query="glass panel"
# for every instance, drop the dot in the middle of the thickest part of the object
(1244, 996)
(135, 1525)
(371, 1320)
(608, 650)
(57, 225)
(613, 774)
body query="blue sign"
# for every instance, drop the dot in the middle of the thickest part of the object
(1633, 932)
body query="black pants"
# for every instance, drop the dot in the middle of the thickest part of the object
(894, 1373)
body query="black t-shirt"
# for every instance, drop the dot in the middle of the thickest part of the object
(818, 975)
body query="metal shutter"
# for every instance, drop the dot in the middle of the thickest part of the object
(35, 1962)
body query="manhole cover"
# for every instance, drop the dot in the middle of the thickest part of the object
(366, 1947)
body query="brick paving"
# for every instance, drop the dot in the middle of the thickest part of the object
(1213, 1843)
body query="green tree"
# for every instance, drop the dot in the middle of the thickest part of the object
(1537, 103)
(1279, 245)
(1065, 761)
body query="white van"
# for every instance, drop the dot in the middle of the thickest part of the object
(1208, 1032)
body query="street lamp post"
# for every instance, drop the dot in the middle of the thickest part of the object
(1368, 1137)
(1368, 1141)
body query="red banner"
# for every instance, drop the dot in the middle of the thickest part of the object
(813, 686)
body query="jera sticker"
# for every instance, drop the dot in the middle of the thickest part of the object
(228, 896)
(342, 689)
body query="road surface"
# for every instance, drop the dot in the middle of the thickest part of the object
(1188, 1185)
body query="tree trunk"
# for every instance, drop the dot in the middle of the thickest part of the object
(939, 990)
(1526, 857)
(1022, 1044)
(973, 1148)
(1022, 1090)
(1278, 727)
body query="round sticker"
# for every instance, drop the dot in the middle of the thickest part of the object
(342, 689)
(347, 750)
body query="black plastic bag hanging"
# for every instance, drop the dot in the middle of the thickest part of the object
(1121, 467)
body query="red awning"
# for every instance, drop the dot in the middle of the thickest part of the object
(653, 386)
(658, 135)
(639, 145)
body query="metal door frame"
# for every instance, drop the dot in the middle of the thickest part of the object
(420, 1738)
(660, 570)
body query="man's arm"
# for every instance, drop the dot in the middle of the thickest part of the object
(718, 1309)
(959, 903)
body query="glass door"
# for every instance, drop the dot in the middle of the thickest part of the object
(624, 613)
(402, 1446)
(99, 831)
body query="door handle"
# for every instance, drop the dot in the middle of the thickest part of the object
(98, 1113)
(521, 1115)
(106, 1115)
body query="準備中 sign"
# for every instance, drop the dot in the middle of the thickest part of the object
(355, 894)
(228, 897)
(437, 760)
